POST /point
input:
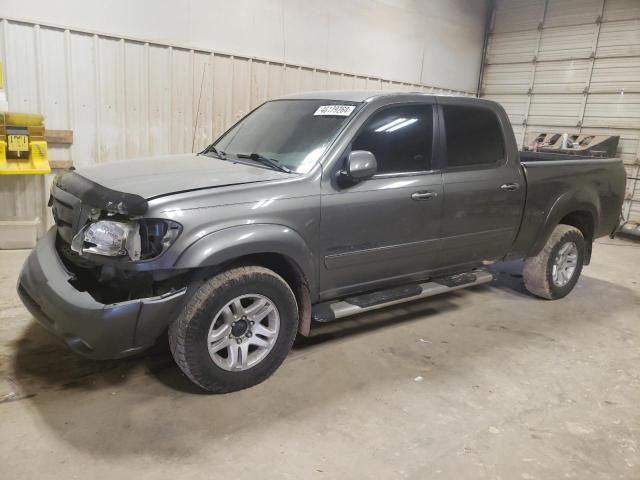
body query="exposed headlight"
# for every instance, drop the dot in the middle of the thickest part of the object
(109, 238)
(157, 235)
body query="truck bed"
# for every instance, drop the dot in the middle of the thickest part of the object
(591, 185)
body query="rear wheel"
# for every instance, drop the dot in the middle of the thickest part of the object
(554, 272)
(236, 330)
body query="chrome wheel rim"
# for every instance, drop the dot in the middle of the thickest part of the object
(564, 264)
(243, 332)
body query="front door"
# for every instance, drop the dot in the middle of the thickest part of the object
(384, 230)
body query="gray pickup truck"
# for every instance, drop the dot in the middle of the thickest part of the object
(312, 207)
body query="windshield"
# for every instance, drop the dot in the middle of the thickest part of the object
(294, 133)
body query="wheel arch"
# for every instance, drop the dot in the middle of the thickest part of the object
(291, 272)
(579, 210)
(584, 221)
(275, 247)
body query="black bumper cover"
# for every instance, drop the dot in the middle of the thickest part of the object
(91, 328)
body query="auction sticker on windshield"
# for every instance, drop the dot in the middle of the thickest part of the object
(335, 110)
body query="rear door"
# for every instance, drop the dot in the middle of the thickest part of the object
(384, 230)
(484, 190)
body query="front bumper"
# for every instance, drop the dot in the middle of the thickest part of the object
(91, 328)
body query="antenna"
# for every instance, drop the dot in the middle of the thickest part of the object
(195, 127)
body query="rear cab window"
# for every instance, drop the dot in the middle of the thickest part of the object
(473, 136)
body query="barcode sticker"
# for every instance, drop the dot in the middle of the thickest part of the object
(335, 110)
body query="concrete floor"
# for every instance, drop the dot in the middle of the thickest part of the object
(484, 383)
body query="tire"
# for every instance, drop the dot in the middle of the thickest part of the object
(538, 271)
(213, 308)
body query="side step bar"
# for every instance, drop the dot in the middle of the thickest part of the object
(328, 311)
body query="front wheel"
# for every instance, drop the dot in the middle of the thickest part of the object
(554, 272)
(236, 330)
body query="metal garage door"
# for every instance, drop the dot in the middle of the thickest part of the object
(570, 66)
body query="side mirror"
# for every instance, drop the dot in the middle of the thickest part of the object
(361, 165)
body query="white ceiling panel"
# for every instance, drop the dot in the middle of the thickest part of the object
(567, 42)
(621, 10)
(619, 39)
(615, 75)
(613, 110)
(572, 12)
(512, 47)
(507, 78)
(555, 109)
(561, 76)
(516, 15)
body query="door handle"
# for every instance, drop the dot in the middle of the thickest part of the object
(510, 187)
(423, 195)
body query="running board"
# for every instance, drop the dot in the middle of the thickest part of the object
(328, 311)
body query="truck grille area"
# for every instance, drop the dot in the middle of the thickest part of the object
(66, 209)
(63, 214)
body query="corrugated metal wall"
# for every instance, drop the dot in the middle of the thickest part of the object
(127, 98)
(570, 66)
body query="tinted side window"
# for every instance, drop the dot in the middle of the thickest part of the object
(400, 138)
(474, 136)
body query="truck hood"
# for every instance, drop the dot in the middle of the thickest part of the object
(158, 176)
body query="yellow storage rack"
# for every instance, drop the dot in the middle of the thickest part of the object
(23, 147)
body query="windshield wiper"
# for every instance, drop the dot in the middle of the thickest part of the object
(218, 153)
(269, 162)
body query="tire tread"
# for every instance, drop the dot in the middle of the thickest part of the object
(179, 331)
(536, 273)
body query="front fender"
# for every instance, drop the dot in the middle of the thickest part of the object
(235, 242)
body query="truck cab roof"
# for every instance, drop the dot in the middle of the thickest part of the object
(369, 95)
(344, 95)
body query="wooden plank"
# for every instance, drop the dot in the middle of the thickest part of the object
(59, 137)
(60, 164)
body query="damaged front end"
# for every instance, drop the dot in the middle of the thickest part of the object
(104, 238)
(87, 319)
(98, 279)
(95, 220)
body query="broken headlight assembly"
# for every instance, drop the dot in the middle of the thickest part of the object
(142, 239)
